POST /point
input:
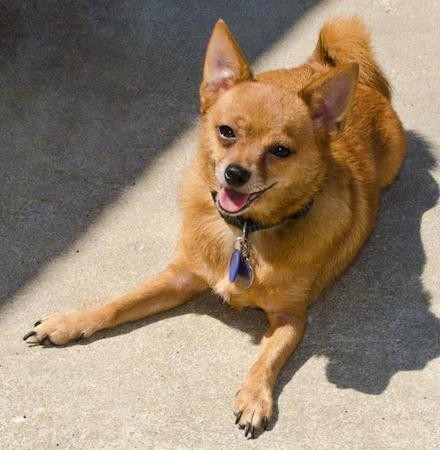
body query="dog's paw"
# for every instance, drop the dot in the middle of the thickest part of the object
(60, 329)
(253, 408)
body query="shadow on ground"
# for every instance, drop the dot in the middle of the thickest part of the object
(92, 92)
(376, 321)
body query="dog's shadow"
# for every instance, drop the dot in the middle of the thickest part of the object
(375, 321)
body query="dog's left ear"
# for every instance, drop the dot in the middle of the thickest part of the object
(329, 98)
(225, 65)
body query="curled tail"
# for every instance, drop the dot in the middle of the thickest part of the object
(345, 39)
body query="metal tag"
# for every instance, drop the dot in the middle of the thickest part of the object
(245, 275)
(240, 269)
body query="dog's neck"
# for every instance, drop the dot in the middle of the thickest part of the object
(254, 225)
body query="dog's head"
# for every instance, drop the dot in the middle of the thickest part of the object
(264, 138)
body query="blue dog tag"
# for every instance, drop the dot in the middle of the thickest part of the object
(240, 269)
(234, 265)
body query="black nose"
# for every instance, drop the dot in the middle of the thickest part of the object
(236, 175)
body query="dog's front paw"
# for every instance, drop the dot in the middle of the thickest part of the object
(60, 329)
(253, 408)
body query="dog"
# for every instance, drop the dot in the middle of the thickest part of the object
(282, 194)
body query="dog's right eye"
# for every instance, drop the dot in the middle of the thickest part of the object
(226, 132)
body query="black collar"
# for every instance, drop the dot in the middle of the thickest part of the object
(253, 225)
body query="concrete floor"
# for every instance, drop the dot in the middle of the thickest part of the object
(97, 122)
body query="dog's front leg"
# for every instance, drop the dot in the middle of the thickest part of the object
(168, 289)
(253, 403)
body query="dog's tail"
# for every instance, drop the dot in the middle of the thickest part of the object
(345, 39)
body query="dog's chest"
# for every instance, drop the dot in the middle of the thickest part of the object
(237, 296)
(216, 251)
(225, 289)
(234, 295)
(233, 292)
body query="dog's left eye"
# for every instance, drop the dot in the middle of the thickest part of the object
(226, 132)
(280, 151)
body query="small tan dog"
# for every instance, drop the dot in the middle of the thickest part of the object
(283, 193)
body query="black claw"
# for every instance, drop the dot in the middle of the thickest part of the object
(238, 416)
(28, 335)
(247, 429)
(252, 432)
(265, 423)
(38, 322)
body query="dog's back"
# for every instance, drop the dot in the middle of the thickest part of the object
(345, 40)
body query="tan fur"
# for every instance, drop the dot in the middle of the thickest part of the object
(344, 40)
(341, 160)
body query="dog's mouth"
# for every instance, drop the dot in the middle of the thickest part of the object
(232, 202)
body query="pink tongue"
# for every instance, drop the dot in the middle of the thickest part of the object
(232, 201)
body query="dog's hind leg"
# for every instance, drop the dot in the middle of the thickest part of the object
(168, 289)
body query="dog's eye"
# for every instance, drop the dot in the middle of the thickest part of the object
(226, 132)
(280, 151)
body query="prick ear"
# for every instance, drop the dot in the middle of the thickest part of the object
(329, 98)
(225, 65)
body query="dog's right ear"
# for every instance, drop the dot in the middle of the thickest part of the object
(225, 65)
(329, 97)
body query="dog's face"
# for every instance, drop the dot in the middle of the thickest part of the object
(264, 142)
(266, 160)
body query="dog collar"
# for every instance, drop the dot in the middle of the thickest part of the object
(253, 225)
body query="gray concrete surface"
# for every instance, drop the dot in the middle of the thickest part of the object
(97, 123)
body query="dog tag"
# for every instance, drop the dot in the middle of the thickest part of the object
(245, 274)
(234, 265)
(240, 269)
